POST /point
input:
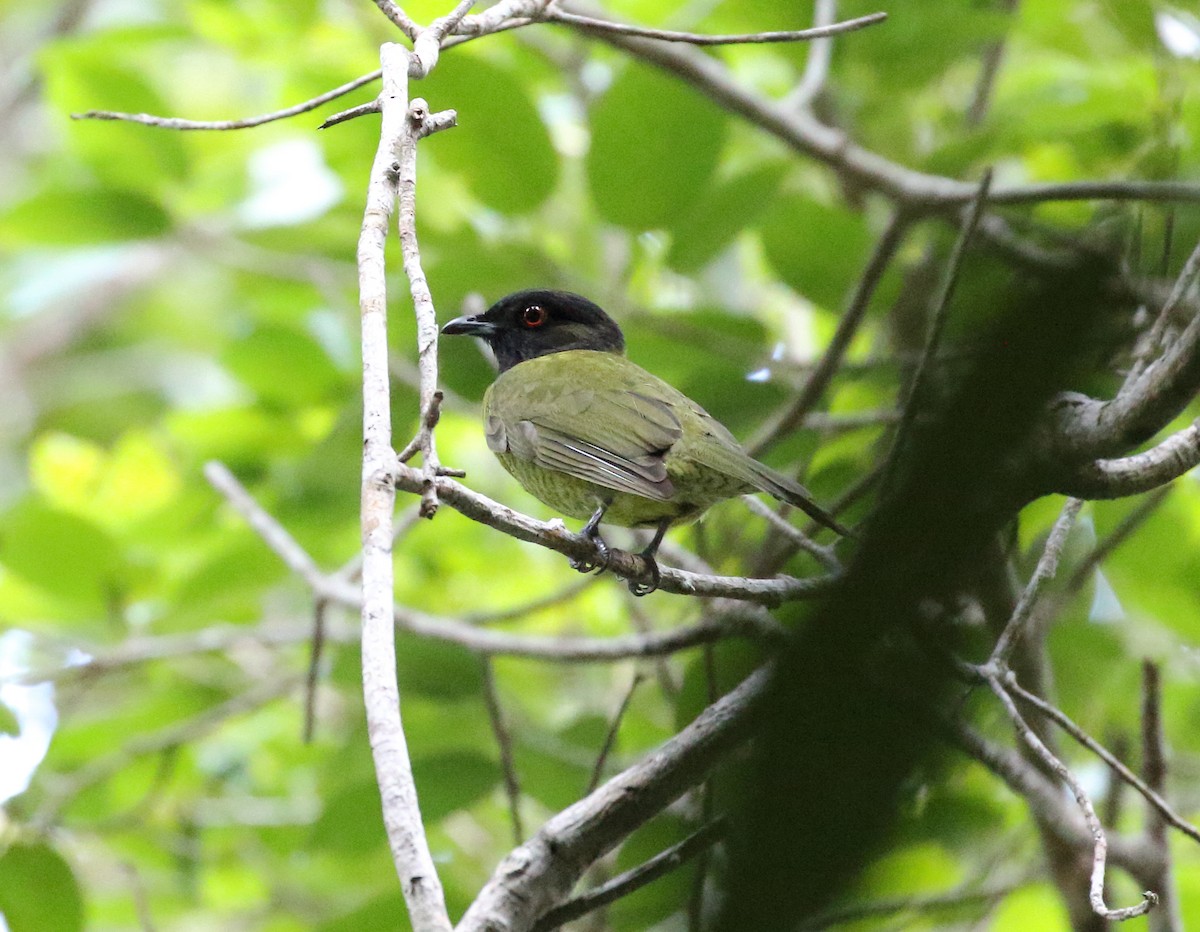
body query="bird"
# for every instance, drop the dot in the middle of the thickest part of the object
(593, 435)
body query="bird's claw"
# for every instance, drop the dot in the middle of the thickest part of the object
(640, 589)
(600, 564)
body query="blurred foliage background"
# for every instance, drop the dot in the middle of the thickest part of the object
(170, 298)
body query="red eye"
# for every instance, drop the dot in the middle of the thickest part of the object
(534, 316)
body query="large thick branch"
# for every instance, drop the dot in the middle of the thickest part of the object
(1143, 472)
(1088, 429)
(538, 875)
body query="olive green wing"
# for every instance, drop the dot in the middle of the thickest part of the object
(595, 429)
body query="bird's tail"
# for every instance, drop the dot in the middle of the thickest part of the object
(792, 492)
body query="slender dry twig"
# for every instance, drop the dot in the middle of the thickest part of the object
(826, 423)
(565, 594)
(179, 734)
(352, 113)
(1046, 568)
(914, 190)
(420, 122)
(1099, 839)
(555, 14)
(624, 884)
(1043, 796)
(393, 769)
(917, 906)
(554, 536)
(820, 54)
(818, 380)
(1153, 340)
(610, 737)
(1154, 770)
(314, 669)
(427, 45)
(1130, 523)
(1060, 718)
(398, 17)
(937, 322)
(177, 123)
(512, 784)
(989, 68)
(824, 555)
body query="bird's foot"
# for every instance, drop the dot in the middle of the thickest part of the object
(598, 565)
(640, 588)
(591, 531)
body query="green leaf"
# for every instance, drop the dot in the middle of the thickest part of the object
(386, 912)
(8, 721)
(452, 781)
(352, 820)
(501, 146)
(283, 366)
(817, 249)
(38, 891)
(729, 208)
(655, 145)
(96, 74)
(437, 668)
(71, 217)
(63, 553)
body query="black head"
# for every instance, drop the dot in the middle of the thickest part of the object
(527, 324)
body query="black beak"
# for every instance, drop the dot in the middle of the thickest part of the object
(474, 326)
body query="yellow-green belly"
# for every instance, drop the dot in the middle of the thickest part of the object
(697, 488)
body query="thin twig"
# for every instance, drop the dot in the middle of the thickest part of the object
(937, 322)
(610, 737)
(555, 536)
(353, 113)
(428, 44)
(179, 734)
(820, 54)
(989, 67)
(624, 884)
(906, 187)
(1154, 770)
(314, 669)
(295, 557)
(555, 14)
(1047, 566)
(1064, 722)
(419, 123)
(512, 784)
(824, 555)
(1099, 840)
(648, 643)
(398, 17)
(820, 377)
(917, 906)
(824, 422)
(1153, 340)
(181, 124)
(1130, 523)
(565, 594)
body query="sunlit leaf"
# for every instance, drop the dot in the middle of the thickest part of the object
(655, 145)
(27, 871)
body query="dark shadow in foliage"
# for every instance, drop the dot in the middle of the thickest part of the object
(848, 723)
